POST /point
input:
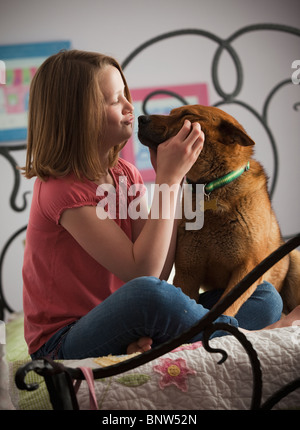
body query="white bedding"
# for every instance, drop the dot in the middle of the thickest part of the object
(190, 378)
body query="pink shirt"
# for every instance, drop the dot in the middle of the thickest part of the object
(62, 282)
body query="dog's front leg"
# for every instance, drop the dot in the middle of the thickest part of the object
(188, 283)
(236, 277)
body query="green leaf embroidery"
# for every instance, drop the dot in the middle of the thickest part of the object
(133, 380)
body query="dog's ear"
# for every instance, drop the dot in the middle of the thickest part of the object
(232, 134)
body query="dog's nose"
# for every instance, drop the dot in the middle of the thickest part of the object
(144, 119)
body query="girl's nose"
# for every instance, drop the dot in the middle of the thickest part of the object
(128, 107)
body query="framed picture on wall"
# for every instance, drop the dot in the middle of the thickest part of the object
(18, 66)
(158, 100)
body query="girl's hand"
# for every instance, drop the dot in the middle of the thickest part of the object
(177, 155)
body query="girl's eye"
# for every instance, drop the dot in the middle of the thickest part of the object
(115, 102)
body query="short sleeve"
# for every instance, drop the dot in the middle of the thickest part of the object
(58, 194)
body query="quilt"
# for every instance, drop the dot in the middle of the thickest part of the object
(187, 378)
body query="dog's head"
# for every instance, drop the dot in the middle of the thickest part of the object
(227, 146)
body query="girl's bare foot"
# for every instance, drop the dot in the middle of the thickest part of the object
(141, 345)
(292, 319)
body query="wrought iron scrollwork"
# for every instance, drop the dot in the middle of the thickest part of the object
(58, 381)
(252, 354)
(160, 92)
(232, 97)
(5, 151)
(3, 303)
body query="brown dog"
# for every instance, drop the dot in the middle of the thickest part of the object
(240, 228)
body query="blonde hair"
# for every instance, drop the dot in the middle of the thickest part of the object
(66, 117)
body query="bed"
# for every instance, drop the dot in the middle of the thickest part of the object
(235, 372)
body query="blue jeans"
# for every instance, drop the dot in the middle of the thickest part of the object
(149, 307)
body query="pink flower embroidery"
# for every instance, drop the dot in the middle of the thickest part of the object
(173, 372)
(187, 346)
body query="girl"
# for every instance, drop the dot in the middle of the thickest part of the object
(93, 286)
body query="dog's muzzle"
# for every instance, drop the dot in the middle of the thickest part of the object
(144, 120)
(146, 134)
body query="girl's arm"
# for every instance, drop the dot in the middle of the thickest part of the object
(166, 271)
(146, 256)
(137, 226)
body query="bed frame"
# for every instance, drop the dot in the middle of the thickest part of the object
(59, 378)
